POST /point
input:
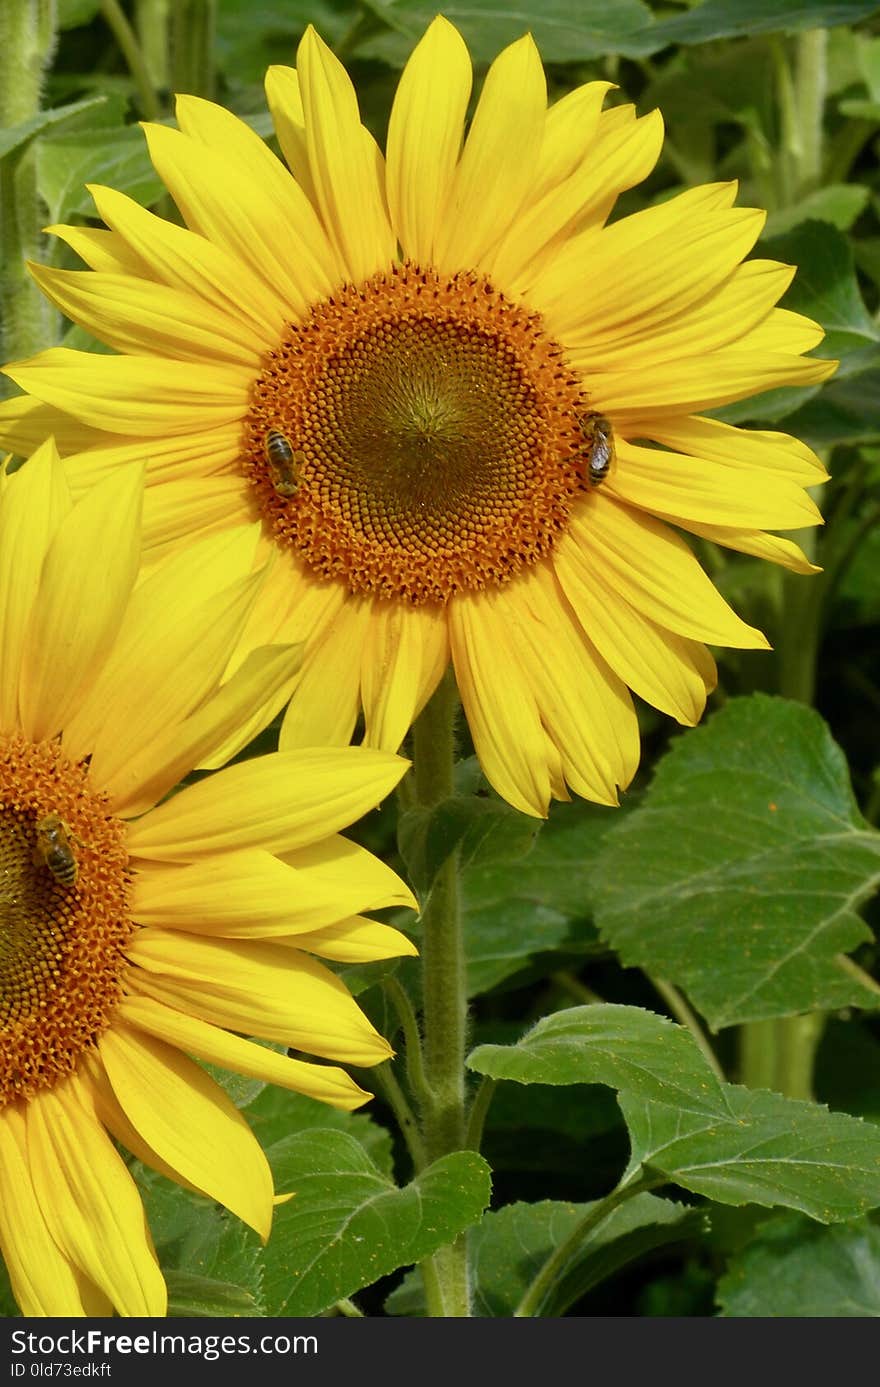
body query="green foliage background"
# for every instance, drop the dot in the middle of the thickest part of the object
(734, 891)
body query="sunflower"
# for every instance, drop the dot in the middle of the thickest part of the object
(135, 934)
(464, 406)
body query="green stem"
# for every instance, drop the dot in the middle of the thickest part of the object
(131, 52)
(27, 43)
(444, 995)
(386, 1079)
(811, 88)
(415, 1069)
(554, 1268)
(151, 23)
(779, 1054)
(192, 47)
(683, 1013)
(477, 1115)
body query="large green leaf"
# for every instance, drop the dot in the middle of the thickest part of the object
(15, 136)
(719, 1140)
(739, 876)
(796, 1270)
(717, 19)
(115, 157)
(348, 1224)
(481, 830)
(278, 1113)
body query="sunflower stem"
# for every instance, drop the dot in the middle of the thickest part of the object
(27, 43)
(192, 47)
(444, 994)
(131, 51)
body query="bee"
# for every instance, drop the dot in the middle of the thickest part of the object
(285, 465)
(598, 447)
(54, 849)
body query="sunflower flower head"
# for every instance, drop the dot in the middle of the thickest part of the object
(139, 928)
(464, 404)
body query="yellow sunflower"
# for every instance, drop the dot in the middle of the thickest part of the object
(463, 405)
(135, 934)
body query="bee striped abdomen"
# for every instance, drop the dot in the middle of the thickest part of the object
(285, 464)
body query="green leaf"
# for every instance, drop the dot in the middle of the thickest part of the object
(796, 1270)
(348, 1224)
(115, 157)
(202, 1297)
(627, 1048)
(715, 1139)
(520, 906)
(825, 286)
(278, 1113)
(718, 19)
(739, 876)
(15, 136)
(482, 830)
(837, 203)
(509, 1247)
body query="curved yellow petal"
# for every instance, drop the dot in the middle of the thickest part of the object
(569, 131)
(343, 172)
(179, 509)
(186, 1117)
(358, 940)
(165, 616)
(585, 708)
(43, 1281)
(498, 161)
(679, 487)
(763, 546)
(101, 250)
(694, 383)
(424, 136)
(34, 503)
(141, 395)
(254, 224)
(284, 99)
(184, 260)
(90, 1202)
(653, 570)
(26, 423)
(278, 802)
(136, 315)
(623, 161)
(256, 988)
(325, 1082)
(334, 863)
(73, 624)
(405, 653)
(325, 703)
(499, 702)
(667, 670)
(251, 894)
(231, 717)
(196, 455)
(776, 454)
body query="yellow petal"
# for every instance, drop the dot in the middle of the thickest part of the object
(101, 250)
(184, 260)
(73, 624)
(278, 802)
(195, 455)
(680, 487)
(499, 703)
(26, 423)
(625, 160)
(178, 587)
(569, 131)
(653, 570)
(424, 136)
(252, 894)
(585, 708)
(325, 703)
(142, 395)
(260, 989)
(772, 547)
(343, 173)
(499, 159)
(667, 670)
(284, 99)
(245, 704)
(325, 1082)
(90, 1202)
(190, 1122)
(765, 450)
(252, 225)
(35, 502)
(43, 1281)
(695, 383)
(358, 940)
(405, 654)
(177, 510)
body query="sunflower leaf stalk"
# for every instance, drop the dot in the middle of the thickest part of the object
(444, 993)
(27, 43)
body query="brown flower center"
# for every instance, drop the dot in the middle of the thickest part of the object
(416, 436)
(64, 915)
